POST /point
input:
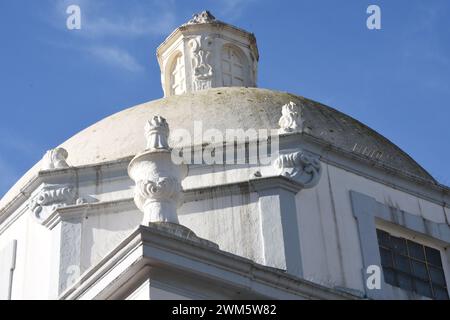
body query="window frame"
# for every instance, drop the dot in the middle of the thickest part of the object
(245, 65)
(400, 232)
(370, 215)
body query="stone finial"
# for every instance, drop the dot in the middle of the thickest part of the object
(291, 119)
(157, 179)
(202, 17)
(55, 159)
(158, 190)
(157, 134)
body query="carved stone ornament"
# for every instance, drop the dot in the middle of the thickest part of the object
(202, 69)
(157, 179)
(161, 188)
(55, 159)
(302, 167)
(157, 133)
(158, 197)
(291, 119)
(50, 198)
(202, 17)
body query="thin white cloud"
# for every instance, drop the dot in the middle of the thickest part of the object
(136, 26)
(115, 57)
(434, 52)
(104, 24)
(102, 18)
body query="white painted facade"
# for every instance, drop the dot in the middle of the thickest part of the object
(298, 228)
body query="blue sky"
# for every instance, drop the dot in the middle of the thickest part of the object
(55, 82)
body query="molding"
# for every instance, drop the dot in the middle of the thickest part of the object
(111, 170)
(236, 188)
(373, 170)
(352, 162)
(218, 25)
(150, 247)
(80, 210)
(189, 195)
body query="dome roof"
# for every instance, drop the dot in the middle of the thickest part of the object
(122, 135)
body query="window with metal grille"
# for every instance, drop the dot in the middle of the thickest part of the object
(412, 266)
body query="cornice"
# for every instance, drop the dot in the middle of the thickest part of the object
(72, 174)
(196, 27)
(371, 169)
(231, 268)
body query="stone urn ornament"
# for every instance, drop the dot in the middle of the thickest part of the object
(157, 178)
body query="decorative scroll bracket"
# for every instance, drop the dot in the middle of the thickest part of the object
(50, 198)
(302, 167)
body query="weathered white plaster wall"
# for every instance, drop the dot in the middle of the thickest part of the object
(103, 230)
(33, 271)
(230, 221)
(330, 249)
(328, 231)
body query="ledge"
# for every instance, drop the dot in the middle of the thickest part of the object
(151, 247)
(421, 188)
(240, 187)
